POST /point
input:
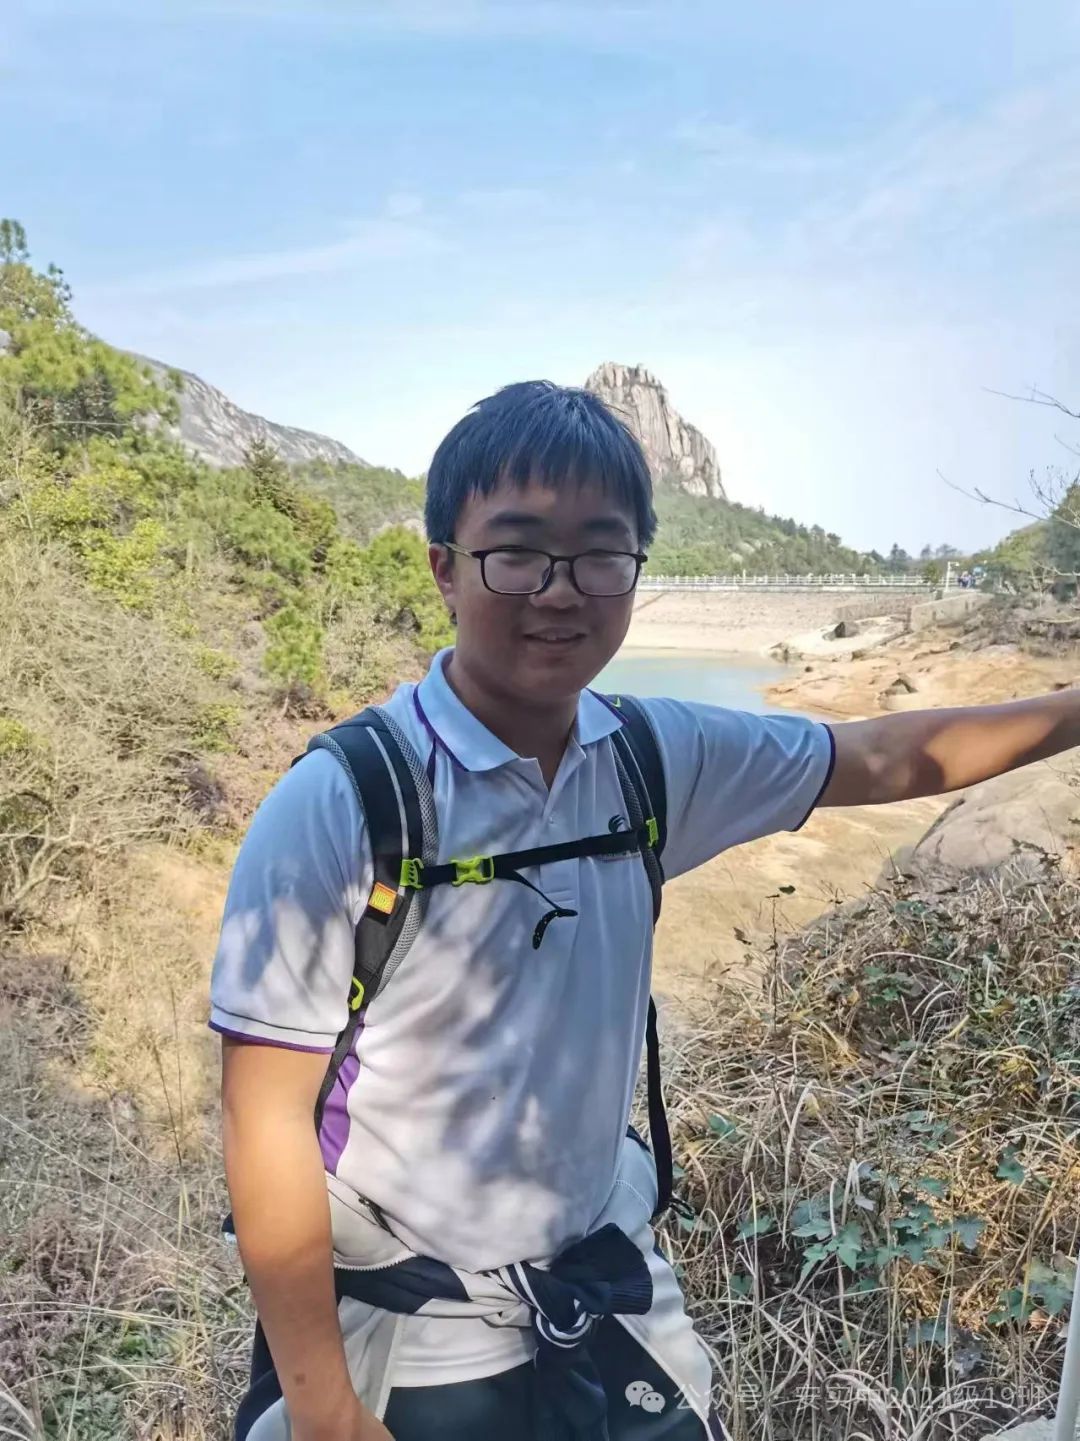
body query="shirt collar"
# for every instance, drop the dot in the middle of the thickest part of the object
(469, 743)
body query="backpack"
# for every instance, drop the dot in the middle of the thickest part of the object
(395, 794)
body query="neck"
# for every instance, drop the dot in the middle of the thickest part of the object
(537, 730)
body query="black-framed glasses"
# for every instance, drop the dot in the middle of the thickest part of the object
(520, 570)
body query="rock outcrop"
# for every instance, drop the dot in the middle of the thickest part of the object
(677, 452)
(1014, 818)
(219, 431)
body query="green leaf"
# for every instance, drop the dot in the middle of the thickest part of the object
(1009, 1168)
(937, 1235)
(688, 1223)
(813, 1254)
(968, 1229)
(914, 1249)
(754, 1226)
(819, 1229)
(677, 1171)
(740, 1285)
(722, 1127)
(1055, 1298)
(931, 1185)
(848, 1253)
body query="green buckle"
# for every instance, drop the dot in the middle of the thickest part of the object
(356, 995)
(410, 874)
(477, 869)
(652, 830)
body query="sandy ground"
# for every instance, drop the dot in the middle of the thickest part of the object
(942, 672)
(839, 853)
(835, 857)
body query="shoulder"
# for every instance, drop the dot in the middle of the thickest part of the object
(693, 736)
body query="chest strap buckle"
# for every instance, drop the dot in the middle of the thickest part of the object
(477, 869)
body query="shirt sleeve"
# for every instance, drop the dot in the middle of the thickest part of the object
(284, 960)
(732, 777)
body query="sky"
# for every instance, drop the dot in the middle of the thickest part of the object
(833, 230)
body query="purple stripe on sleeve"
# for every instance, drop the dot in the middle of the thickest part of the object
(334, 1133)
(828, 777)
(436, 738)
(268, 1041)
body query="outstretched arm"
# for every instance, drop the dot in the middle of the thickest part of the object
(923, 753)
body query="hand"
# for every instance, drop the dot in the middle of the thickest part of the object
(354, 1423)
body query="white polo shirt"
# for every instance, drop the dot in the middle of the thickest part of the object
(490, 1085)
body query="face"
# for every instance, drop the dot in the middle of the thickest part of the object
(538, 649)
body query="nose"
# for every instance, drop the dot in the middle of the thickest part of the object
(560, 593)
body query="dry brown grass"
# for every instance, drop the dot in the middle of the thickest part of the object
(903, 1096)
(100, 712)
(879, 1078)
(122, 1312)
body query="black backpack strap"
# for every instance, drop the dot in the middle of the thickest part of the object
(637, 736)
(395, 796)
(641, 774)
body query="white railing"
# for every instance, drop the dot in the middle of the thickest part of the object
(743, 581)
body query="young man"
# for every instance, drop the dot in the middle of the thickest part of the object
(475, 1140)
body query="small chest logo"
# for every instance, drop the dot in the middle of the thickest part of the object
(617, 824)
(640, 1393)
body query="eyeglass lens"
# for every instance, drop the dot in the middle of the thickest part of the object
(523, 572)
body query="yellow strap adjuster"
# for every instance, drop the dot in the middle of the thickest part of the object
(477, 869)
(356, 995)
(652, 830)
(410, 874)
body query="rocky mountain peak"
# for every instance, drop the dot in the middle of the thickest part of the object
(219, 431)
(677, 451)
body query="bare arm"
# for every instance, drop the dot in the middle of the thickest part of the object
(922, 753)
(278, 1189)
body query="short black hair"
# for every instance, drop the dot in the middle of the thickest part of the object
(535, 430)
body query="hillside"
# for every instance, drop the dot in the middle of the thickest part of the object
(218, 431)
(852, 1116)
(711, 537)
(701, 531)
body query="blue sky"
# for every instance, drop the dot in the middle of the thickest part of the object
(831, 229)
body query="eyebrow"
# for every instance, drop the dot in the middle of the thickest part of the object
(525, 520)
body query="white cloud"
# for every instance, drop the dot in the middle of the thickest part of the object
(930, 175)
(384, 238)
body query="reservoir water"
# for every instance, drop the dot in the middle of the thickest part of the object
(736, 681)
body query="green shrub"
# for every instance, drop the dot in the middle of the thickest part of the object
(294, 655)
(394, 568)
(214, 725)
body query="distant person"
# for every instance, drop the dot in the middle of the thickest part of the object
(464, 1249)
(965, 579)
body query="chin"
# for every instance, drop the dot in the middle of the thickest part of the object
(559, 677)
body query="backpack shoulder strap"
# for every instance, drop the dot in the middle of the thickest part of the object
(639, 735)
(399, 812)
(641, 774)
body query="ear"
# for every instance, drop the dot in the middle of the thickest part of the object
(441, 561)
